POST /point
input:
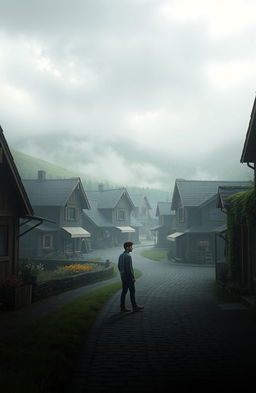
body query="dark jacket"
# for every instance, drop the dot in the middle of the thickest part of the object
(125, 266)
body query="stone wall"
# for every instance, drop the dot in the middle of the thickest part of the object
(45, 289)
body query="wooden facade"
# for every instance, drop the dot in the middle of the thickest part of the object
(62, 202)
(14, 205)
(166, 224)
(198, 221)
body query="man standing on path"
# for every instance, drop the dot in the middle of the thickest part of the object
(127, 277)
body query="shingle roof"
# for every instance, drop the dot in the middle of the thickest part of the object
(163, 209)
(224, 192)
(95, 215)
(52, 192)
(108, 199)
(196, 192)
(138, 200)
(249, 152)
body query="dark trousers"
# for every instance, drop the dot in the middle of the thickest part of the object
(128, 284)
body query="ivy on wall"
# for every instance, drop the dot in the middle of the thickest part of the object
(241, 212)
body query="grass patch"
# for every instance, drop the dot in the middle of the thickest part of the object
(40, 357)
(155, 254)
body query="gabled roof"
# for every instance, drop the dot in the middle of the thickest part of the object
(138, 200)
(163, 209)
(96, 216)
(224, 192)
(26, 208)
(249, 151)
(193, 193)
(108, 199)
(54, 192)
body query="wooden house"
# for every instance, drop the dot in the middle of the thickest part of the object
(62, 201)
(166, 224)
(109, 220)
(141, 213)
(198, 220)
(14, 205)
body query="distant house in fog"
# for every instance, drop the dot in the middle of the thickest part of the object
(109, 220)
(141, 213)
(14, 206)
(198, 221)
(61, 201)
(165, 225)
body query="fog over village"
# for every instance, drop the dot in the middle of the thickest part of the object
(127, 195)
(136, 92)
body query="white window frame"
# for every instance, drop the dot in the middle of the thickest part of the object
(68, 216)
(124, 215)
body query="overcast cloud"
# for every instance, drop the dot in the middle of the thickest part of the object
(137, 92)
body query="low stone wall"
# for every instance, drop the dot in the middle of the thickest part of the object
(45, 289)
(52, 264)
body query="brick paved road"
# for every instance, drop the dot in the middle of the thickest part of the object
(185, 337)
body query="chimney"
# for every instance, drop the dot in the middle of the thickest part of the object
(41, 175)
(100, 187)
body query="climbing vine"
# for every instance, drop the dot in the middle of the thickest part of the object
(241, 212)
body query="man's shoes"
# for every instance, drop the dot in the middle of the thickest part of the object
(138, 308)
(125, 310)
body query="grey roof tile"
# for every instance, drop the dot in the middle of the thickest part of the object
(50, 192)
(196, 192)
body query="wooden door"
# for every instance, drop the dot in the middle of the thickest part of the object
(6, 247)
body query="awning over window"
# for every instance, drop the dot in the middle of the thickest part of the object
(174, 235)
(126, 229)
(77, 232)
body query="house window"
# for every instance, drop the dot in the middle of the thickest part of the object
(47, 241)
(181, 214)
(3, 240)
(203, 245)
(121, 215)
(106, 234)
(71, 213)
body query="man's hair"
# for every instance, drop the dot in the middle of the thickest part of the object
(127, 244)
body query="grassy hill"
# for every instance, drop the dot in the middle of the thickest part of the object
(28, 167)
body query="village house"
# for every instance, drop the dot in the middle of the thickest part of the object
(109, 220)
(198, 221)
(14, 207)
(62, 201)
(166, 224)
(141, 213)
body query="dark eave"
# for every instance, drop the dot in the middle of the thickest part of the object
(249, 151)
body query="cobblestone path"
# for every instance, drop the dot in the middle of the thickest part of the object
(185, 337)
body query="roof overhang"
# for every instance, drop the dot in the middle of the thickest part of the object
(126, 229)
(77, 232)
(173, 236)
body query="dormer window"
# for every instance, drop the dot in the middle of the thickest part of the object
(71, 213)
(121, 215)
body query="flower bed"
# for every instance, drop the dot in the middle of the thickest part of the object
(45, 289)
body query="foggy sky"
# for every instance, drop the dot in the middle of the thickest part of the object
(136, 92)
